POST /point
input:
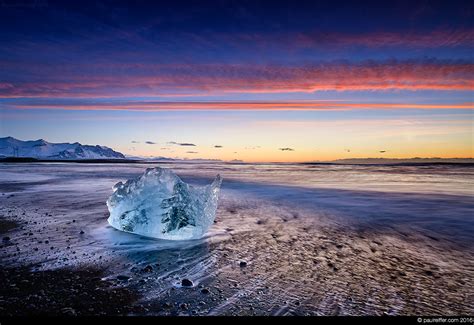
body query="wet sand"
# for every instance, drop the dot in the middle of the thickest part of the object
(260, 258)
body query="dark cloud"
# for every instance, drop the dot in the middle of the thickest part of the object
(383, 151)
(217, 146)
(184, 144)
(150, 142)
(286, 149)
(135, 141)
(191, 152)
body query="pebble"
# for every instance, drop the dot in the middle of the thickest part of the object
(69, 311)
(205, 291)
(187, 283)
(243, 264)
(123, 278)
(148, 269)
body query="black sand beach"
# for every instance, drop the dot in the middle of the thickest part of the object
(262, 257)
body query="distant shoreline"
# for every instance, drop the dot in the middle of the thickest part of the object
(136, 161)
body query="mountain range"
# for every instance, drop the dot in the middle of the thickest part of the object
(41, 149)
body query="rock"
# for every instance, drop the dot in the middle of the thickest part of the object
(187, 283)
(429, 273)
(123, 278)
(205, 291)
(82, 232)
(68, 311)
(6, 238)
(243, 264)
(148, 269)
(183, 306)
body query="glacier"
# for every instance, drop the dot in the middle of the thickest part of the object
(159, 204)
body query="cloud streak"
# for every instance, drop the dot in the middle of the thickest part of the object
(153, 80)
(184, 144)
(150, 142)
(236, 106)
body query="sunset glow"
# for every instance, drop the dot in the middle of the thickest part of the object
(240, 76)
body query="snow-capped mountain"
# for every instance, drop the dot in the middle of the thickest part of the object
(41, 149)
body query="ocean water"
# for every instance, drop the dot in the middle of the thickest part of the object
(419, 213)
(437, 198)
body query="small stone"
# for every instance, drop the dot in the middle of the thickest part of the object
(123, 278)
(187, 283)
(68, 311)
(6, 238)
(243, 264)
(183, 306)
(205, 291)
(148, 269)
(82, 232)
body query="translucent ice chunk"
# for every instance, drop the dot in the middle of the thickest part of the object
(159, 204)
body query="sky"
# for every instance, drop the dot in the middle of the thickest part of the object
(248, 80)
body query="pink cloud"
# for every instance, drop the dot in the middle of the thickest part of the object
(173, 80)
(243, 105)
